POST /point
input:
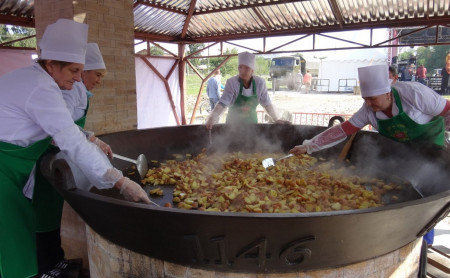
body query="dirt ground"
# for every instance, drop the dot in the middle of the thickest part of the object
(339, 103)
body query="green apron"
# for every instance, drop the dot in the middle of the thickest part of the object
(47, 203)
(402, 128)
(17, 222)
(244, 108)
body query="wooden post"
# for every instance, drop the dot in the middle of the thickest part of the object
(182, 80)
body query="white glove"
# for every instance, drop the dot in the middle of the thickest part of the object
(132, 191)
(326, 139)
(271, 111)
(274, 115)
(102, 145)
(214, 117)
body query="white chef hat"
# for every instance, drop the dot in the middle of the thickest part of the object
(65, 40)
(374, 80)
(247, 58)
(94, 59)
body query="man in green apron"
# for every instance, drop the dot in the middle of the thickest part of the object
(242, 94)
(407, 111)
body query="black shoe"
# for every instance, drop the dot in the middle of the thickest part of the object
(69, 264)
(64, 269)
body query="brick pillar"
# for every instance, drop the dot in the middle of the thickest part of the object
(111, 26)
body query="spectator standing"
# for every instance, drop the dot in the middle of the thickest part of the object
(299, 80)
(213, 88)
(445, 86)
(307, 81)
(421, 74)
(393, 75)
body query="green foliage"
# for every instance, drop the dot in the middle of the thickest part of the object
(194, 48)
(262, 66)
(230, 67)
(432, 57)
(154, 50)
(10, 33)
(405, 55)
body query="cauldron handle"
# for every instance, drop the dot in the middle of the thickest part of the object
(334, 118)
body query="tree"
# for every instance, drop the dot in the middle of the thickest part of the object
(432, 57)
(262, 66)
(405, 55)
(192, 48)
(154, 51)
(231, 66)
(10, 33)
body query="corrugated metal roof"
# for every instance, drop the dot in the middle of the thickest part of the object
(216, 20)
(17, 12)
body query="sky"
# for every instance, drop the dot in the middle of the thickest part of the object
(361, 36)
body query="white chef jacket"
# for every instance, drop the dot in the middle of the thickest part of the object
(231, 91)
(32, 108)
(76, 100)
(419, 102)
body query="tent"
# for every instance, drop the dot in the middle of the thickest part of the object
(341, 69)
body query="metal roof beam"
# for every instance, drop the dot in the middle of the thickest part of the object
(244, 6)
(337, 12)
(17, 20)
(188, 19)
(157, 6)
(413, 22)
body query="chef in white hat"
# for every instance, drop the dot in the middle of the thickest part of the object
(47, 203)
(33, 112)
(407, 111)
(242, 94)
(404, 111)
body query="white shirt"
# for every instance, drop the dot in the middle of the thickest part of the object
(231, 91)
(32, 108)
(419, 102)
(76, 100)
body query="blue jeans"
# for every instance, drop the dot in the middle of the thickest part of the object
(213, 102)
(429, 237)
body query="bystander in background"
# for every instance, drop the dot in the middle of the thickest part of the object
(213, 88)
(421, 74)
(307, 81)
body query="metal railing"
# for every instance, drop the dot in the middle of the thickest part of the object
(317, 84)
(316, 119)
(347, 83)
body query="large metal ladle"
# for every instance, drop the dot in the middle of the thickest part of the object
(141, 163)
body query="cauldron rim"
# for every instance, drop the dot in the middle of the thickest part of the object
(126, 203)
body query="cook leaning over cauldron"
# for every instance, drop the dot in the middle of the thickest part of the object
(407, 111)
(33, 112)
(47, 203)
(242, 94)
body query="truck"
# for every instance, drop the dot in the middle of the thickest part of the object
(284, 71)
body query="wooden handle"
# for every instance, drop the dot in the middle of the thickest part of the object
(346, 148)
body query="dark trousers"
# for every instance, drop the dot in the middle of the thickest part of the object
(49, 251)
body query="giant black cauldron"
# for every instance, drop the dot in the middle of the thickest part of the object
(244, 242)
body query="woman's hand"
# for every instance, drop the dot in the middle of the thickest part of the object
(300, 149)
(132, 191)
(102, 145)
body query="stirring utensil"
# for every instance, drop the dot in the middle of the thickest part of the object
(210, 136)
(141, 163)
(268, 162)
